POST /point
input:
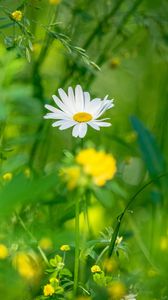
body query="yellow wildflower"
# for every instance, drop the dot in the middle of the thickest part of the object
(48, 290)
(54, 1)
(46, 244)
(17, 15)
(117, 290)
(7, 176)
(71, 176)
(3, 251)
(27, 265)
(98, 164)
(95, 269)
(27, 172)
(110, 264)
(115, 62)
(65, 248)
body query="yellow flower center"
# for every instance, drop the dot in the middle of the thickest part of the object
(82, 117)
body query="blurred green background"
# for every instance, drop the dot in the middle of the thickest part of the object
(117, 48)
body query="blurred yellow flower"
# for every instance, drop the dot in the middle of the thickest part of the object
(131, 137)
(7, 176)
(152, 273)
(95, 269)
(36, 48)
(164, 243)
(46, 244)
(48, 290)
(71, 175)
(17, 15)
(27, 265)
(27, 172)
(3, 251)
(110, 264)
(96, 219)
(117, 290)
(98, 164)
(65, 248)
(54, 1)
(115, 62)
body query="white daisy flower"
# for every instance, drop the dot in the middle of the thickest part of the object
(77, 110)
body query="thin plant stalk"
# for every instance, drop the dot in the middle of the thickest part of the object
(121, 216)
(77, 232)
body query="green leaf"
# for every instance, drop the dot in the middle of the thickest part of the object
(6, 25)
(59, 290)
(53, 263)
(22, 190)
(100, 278)
(116, 188)
(104, 196)
(65, 272)
(28, 56)
(134, 166)
(151, 153)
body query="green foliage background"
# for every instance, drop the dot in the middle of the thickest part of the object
(109, 47)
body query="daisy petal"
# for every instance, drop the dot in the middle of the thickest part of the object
(66, 125)
(71, 97)
(58, 123)
(107, 104)
(93, 125)
(94, 106)
(79, 98)
(61, 105)
(59, 115)
(71, 101)
(86, 100)
(75, 131)
(63, 96)
(51, 108)
(68, 101)
(102, 124)
(82, 130)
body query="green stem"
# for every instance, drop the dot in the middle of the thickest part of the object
(101, 254)
(76, 266)
(121, 216)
